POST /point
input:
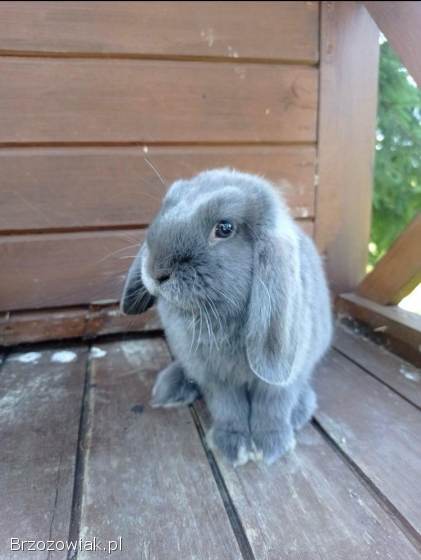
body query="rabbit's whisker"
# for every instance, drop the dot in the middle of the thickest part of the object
(224, 295)
(115, 252)
(155, 170)
(200, 328)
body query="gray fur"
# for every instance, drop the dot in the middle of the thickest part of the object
(247, 317)
(172, 388)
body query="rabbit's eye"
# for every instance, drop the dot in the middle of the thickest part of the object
(223, 229)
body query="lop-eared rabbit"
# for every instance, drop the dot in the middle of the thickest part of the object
(243, 299)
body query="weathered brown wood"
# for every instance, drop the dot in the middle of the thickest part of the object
(401, 23)
(59, 269)
(310, 505)
(400, 329)
(81, 322)
(348, 96)
(85, 100)
(56, 270)
(399, 271)
(38, 326)
(146, 477)
(377, 429)
(40, 403)
(45, 189)
(270, 30)
(395, 372)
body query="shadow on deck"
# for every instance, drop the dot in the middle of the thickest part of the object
(83, 456)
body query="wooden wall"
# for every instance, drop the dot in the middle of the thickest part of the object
(91, 93)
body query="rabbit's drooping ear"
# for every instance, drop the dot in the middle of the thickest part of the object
(135, 299)
(276, 314)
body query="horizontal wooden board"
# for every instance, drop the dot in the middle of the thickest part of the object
(310, 506)
(40, 405)
(377, 429)
(271, 30)
(55, 270)
(389, 368)
(145, 467)
(74, 322)
(44, 189)
(85, 100)
(59, 269)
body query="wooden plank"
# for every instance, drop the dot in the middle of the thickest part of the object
(156, 484)
(40, 403)
(85, 100)
(56, 270)
(45, 189)
(400, 329)
(377, 429)
(399, 271)
(400, 22)
(310, 505)
(270, 30)
(81, 322)
(395, 372)
(349, 40)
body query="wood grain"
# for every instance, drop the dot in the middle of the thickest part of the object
(81, 100)
(146, 477)
(399, 271)
(310, 506)
(377, 429)
(401, 23)
(348, 98)
(40, 403)
(86, 322)
(270, 30)
(401, 329)
(393, 371)
(56, 270)
(47, 189)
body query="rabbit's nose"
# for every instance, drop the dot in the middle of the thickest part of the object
(162, 278)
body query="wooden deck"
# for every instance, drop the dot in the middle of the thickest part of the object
(83, 456)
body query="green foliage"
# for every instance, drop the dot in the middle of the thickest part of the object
(397, 188)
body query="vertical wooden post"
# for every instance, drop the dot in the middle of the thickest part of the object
(349, 53)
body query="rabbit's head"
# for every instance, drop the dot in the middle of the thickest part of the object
(226, 239)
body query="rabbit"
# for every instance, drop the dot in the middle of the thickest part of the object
(243, 298)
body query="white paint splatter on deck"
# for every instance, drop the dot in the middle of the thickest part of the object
(63, 357)
(97, 352)
(27, 358)
(410, 374)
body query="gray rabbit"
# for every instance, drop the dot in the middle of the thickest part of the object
(243, 298)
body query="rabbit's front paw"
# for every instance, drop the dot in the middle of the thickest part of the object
(272, 444)
(172, 388)
(235, 446)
